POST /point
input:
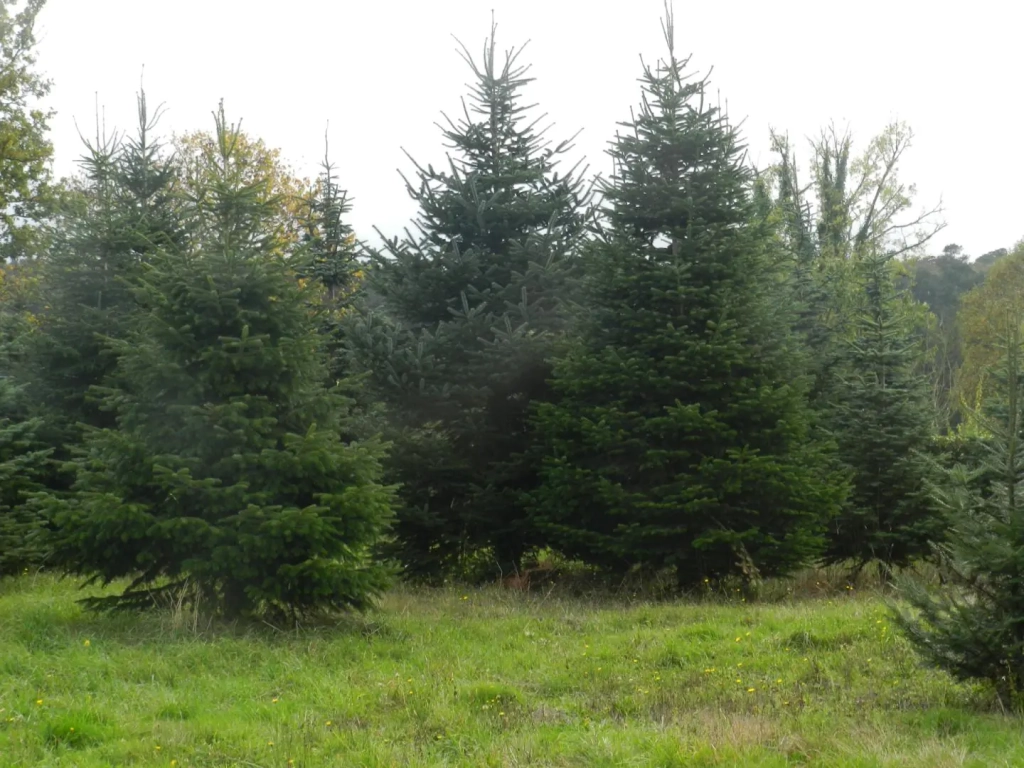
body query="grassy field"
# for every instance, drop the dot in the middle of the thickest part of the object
(486, 678)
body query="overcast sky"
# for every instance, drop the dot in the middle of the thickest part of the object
(381, 72)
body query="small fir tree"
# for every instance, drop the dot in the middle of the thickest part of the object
(679, 437)
(973, 627)
(331, 251)
(225, 468)
(329, 256)
(883, 426)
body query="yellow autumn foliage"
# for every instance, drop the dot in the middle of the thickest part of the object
(982, 319)
(259, 166)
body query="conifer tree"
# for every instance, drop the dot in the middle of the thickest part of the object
(972, 628)
(24, 469)
(819, 272)
(330, 257)
(331, 250)
(126, 211)
(883, 428)
(679, 434)
(225, 468)
(472, 302)
(24, 460)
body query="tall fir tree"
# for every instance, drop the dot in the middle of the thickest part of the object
(679, 434)
(972, 628)
(124, 210)
(884, 429)
(225, 468)
(472, 298)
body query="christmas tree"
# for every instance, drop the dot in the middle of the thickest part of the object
(679, 435)
(882, 423)
(471, 299)
(225, 469)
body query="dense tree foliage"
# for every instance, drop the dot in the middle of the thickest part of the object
(854, 206)
(680, 435)
(940, 282)
(884, 426)
(981, 318)
(25, 149)
(855, 214)
(973, 629)
(24, 466)
(211, 386)
(23, 470)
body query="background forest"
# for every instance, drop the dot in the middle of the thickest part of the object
(692, 372)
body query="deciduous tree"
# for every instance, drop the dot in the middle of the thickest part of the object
(25, 148)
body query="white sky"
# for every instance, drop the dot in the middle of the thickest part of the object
(382, 72)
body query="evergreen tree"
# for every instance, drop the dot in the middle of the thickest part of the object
(330, 257)
(225, 468)
(819, 273)
(884, 428)
(24, 469)
(472, 299)
(123, 214)
(24, 464)
(973, 628)
(331, 250)
(679, 437)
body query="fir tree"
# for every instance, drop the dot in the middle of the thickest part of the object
(329, 256)
(679, 436)
(331, 251)
(973, 628)
(24, 459)
(24, 470)
(125, 212)
(818, 271)
(225, 468)
(472, 299)
(883, 428)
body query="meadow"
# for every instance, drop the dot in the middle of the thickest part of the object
(487, 677)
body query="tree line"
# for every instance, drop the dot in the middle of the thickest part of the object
(211, 387)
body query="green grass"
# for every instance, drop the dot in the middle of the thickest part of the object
(485, 678)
